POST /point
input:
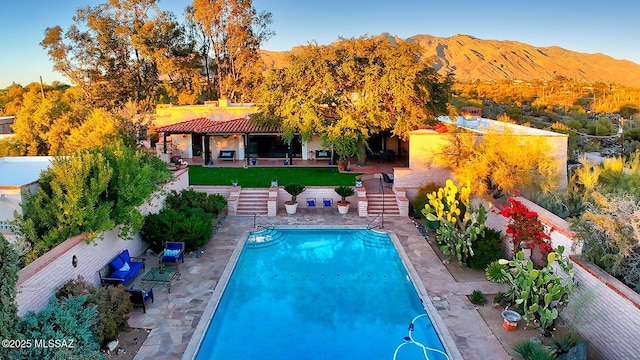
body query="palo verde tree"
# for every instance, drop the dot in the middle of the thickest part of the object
(352, 89)
(504, 161)
(231, 32)
(118, 50)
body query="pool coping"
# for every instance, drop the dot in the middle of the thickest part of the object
(439, 325)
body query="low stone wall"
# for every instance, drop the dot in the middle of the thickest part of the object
(39, 280)
(604, 310)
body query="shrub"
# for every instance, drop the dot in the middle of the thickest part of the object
(89, 192)
(112, 304)
(477, 298)
(70, 319)
(189, 198)
(486, 249)
(9, 276)
(525, 228)
(529, 350)
(193, 226)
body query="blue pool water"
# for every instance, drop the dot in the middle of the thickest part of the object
(318, 294)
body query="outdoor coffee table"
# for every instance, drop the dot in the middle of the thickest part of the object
(154, 277)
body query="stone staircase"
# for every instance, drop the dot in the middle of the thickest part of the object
(376, 204)
(252, 201)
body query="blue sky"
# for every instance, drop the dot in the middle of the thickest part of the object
(585, 26)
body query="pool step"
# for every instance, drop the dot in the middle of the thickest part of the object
(264, 238)
(373, 238)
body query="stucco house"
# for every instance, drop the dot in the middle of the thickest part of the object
(224, 127)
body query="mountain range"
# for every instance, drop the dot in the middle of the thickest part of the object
(470, 58)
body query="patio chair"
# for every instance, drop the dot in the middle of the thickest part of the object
(327, 203)
(140, 297)
(311, 203)
(173, 251)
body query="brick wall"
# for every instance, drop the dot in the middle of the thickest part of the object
(604, 311)
(38, 281)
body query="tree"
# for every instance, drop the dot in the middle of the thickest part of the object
(234, 31)
(116, 51)
(98, 130)
(505, 161)
(352, 89)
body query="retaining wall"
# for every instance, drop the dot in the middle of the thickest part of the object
(604, 310)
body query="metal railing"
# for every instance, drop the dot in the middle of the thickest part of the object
(269, 225)
(381, 226)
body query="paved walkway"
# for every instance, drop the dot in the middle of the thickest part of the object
(173, 317)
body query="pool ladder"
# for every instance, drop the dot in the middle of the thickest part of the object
(268, 225)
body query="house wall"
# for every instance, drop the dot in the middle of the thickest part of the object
(604, 311)
(38, 281)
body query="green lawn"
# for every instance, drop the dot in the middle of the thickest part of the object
(260, 177)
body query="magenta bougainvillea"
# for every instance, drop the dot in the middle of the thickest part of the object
(526, 230)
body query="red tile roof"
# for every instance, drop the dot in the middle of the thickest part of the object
(207, 126)
(185, 127)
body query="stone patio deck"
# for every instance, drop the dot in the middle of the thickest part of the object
(173, 317)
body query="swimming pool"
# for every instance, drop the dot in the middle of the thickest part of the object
(320, 294)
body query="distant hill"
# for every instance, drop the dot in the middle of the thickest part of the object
(471, 58)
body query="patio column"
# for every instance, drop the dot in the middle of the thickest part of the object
(205, 149)
(246, 147)
(164, 142)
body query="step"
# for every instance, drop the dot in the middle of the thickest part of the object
(373, 238)
(264, 238)
(252, 201)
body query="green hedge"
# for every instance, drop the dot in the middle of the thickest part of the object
(187, 216)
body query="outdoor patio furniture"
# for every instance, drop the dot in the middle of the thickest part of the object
(140, 297)
(327, 203)
(311, 204)
(121, 270)
(172, 253)
(157, 277)
(227, 155)
(323, 155)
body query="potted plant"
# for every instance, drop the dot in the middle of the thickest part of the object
(293, 189)
(274, 182)
(234, 182)
(254, 161)
(344, 192)
(161, 268)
